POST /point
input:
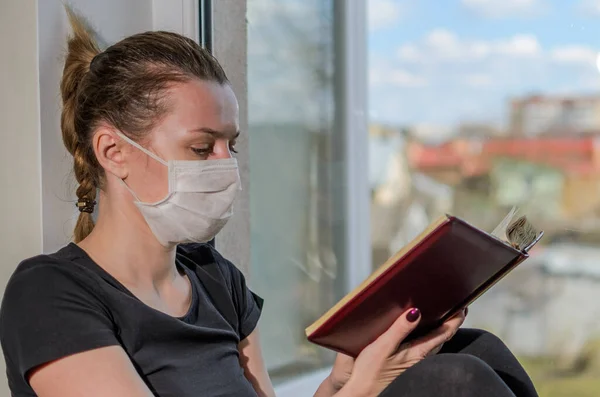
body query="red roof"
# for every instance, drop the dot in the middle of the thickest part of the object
(571, 155)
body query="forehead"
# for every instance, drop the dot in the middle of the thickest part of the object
(204, 104)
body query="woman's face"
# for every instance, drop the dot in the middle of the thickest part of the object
(203, 124)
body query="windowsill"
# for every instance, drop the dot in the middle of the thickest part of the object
(302, 386)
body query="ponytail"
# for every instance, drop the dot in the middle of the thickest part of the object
(81, 50)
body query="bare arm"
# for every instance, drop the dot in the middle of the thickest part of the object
(101, 372)
(254, 366)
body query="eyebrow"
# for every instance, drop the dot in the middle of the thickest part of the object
(218, 134)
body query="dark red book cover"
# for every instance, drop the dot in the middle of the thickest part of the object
(442, 271)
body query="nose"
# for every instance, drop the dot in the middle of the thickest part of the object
(222, 150)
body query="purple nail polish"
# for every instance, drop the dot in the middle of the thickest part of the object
(413, 315)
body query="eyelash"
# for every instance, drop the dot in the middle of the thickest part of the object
(208, 151)
(202, 152)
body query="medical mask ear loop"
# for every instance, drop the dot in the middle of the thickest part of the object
(137, 199)
(144, 150)
(140, 147)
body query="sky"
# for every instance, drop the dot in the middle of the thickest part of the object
(443, 62)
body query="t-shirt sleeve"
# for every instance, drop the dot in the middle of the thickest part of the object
(49, 312)
(248, 305)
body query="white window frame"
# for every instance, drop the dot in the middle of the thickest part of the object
(354, 98)
(180, 16)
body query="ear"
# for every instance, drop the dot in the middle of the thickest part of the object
(110, 151)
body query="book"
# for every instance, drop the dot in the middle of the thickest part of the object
(442, 271)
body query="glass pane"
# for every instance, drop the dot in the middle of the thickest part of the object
(296, 228)
(478, 106)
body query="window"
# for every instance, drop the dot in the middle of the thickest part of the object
(297, 165)
(519, 81)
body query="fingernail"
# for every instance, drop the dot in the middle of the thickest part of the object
(466, 311)
(413, 315)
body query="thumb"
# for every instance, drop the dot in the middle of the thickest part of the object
(389, 341)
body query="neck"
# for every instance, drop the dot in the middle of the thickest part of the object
(123, 244)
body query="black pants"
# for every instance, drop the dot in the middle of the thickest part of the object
(473, 363)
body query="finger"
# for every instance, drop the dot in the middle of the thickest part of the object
(424, 345)
(433, 340)
(436, 350)
(389, 341)
(462, 312)
(458, 318)
(343, 360)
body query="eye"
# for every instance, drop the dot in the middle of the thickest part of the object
(203, 151)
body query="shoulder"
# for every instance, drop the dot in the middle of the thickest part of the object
(46, 273)
(52, 307)
(43, 284)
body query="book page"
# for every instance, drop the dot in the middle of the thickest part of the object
(500, 230)
(519, 233)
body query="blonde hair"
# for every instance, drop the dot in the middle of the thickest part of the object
(123, 86)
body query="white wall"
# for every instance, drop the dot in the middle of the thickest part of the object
(20, 221)
(20, 201)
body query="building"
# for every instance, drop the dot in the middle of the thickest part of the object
(537, 115)
(556, 179)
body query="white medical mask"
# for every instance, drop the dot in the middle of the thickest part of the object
(199, 202)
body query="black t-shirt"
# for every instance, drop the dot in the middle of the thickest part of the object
(61, 304)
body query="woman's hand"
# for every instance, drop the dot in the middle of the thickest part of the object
(385, 359)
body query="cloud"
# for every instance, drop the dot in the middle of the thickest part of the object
(590, 7)
(479, 80)
(445, 78)
(385, 75)
(441, 46)
(403, 78)
(504, 8)
(410, 53)
(444, 45)
(574, 54)
(384, 13)
(443, 42)
(519, 45)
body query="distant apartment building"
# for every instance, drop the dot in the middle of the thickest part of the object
(554, 115)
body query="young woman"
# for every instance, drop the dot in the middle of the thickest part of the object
(138, 305)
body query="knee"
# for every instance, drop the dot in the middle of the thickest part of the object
(462, 373)
(449, 375)
(454, 366)
(481, 334)
(478, 337)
